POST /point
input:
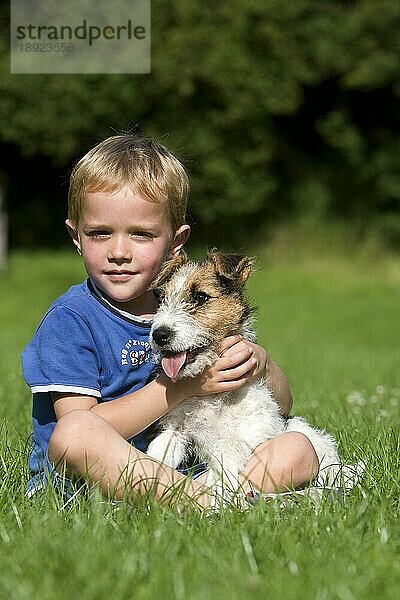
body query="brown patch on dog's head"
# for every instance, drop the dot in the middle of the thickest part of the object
(212, 293)
(202, 303)
(233, 268)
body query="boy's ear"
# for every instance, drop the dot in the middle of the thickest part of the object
(73, 232)
(180, 238)
(168, 269)
(232, 267)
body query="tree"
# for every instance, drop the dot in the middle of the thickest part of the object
(3, 225)
(275, 107)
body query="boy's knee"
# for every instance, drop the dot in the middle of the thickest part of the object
(70, 438)
(305, 463)
(288, 460)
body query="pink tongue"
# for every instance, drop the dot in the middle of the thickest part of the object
(173, 364)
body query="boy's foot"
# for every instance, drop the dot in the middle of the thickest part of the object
(348, 476)
(295, 497)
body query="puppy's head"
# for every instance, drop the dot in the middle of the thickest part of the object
(201, 303)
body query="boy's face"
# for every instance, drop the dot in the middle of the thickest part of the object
(124, 240)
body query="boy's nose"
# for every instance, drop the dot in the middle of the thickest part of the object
(120, 250)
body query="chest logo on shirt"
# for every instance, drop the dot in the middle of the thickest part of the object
(135, 353)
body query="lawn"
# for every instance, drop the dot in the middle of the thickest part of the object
(333, 325)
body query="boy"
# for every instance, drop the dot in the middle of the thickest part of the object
(89, 363)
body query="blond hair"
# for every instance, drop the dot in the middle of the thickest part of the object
(147, 167)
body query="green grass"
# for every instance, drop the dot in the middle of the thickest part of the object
(333, 325)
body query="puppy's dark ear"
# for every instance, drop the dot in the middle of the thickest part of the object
(170, 266)
(233, 267)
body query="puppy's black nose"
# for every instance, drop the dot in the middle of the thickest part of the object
(162, 335)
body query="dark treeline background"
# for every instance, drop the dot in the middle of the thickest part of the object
(278, 108)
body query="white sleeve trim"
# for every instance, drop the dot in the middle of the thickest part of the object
(65, 388)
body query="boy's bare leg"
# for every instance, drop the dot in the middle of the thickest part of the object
(87, 445)
(287, 461)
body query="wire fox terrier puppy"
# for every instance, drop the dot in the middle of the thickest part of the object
(201, 304)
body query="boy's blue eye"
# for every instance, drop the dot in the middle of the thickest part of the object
(98, 233)
(142, 234)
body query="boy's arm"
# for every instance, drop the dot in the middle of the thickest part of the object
(277, 383)
(129, 414)
(134, 412)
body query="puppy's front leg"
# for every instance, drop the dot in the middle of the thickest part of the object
(223, 482)
(168, 447)
(224, 471)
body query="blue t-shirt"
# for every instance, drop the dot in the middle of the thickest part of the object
(86, 346)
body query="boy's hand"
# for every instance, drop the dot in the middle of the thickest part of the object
(232, 347)
(239, 362)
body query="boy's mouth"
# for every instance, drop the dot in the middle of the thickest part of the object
(119, 275)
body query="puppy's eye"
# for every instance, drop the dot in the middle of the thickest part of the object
(201, 297)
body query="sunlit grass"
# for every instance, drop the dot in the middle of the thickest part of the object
(335, 330)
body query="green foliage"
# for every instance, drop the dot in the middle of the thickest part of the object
(261, 100)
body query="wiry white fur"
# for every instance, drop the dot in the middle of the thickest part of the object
(224, 429)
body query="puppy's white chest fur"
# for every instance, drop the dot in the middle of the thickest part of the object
(241, 412)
